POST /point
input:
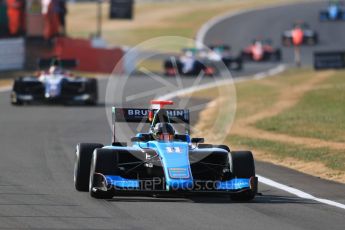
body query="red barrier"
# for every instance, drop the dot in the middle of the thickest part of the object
(91, 59)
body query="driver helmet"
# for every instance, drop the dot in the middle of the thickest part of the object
(55, 70)
(163, 132)
(189, 54)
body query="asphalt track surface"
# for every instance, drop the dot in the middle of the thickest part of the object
(37, 154)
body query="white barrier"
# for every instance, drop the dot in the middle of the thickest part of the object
(12, 53)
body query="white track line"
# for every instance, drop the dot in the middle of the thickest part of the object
(185, 91)
(264, 180)
(298, 193)
(200, 40)
(200, 36)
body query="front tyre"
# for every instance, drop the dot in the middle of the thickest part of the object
(277, 55)
(17, 87)
(311, 41)
(82, 164)
(15, 100)
(286, 41)
(242, 166)
(104, 162)
(92, 91)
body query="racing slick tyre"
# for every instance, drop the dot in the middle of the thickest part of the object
(235, 64)
(103, 163)
(246, 56)
(277, 55)
(17, 86)
(312, 40)
(82, 164)
(240, 64)
(323, 16)
(172, 67)
(286, 41)
(15, 100)
(93, 90)
(242, 166)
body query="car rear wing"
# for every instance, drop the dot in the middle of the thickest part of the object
(140, 115)
(63, 63)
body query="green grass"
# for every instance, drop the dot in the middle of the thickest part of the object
(254, 95)
(179, 18)
(257, 95)
(331, 159)
(320, 113)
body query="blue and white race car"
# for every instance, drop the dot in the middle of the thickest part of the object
(162, 161)
(333, 13)
(55, 85)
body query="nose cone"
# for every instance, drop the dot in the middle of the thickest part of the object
(333, 11)
(52, 89)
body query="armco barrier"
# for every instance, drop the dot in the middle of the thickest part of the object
(329, 60)
(90, 59)
(12, 53)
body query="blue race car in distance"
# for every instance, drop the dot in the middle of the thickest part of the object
(162, 161)
(333, 12)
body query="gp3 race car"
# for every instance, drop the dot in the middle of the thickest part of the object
(261, 50)
(222, 52)
(302, 29)
(162, 161)
(333, 12)
(55, 85)
(193, 61)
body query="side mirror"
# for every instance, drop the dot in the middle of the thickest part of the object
(197, 140)
(137, 139)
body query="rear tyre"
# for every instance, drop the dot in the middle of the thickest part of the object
(311, 41)
(239, 64)
(277, 55)
(104, 162)
(172, 67)
(286, 41)
(246, 56)
(323, 16)
(82, 165)
(242, 166)
(15, 100)
(17, 86)
(93, 90)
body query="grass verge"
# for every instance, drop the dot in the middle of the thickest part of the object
(319, 114)
(333, 159)
(277, 118)
(154, 19)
